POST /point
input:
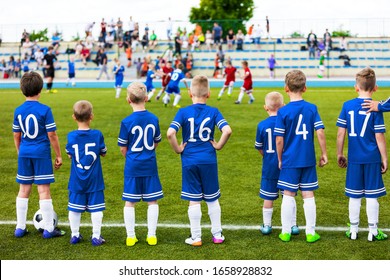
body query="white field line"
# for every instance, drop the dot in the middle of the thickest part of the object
(227, 227)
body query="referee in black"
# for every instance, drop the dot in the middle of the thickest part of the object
(49, 60)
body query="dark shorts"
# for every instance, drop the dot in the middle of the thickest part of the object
(50, 73)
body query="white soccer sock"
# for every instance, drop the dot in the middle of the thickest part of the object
(221, 92)
(166, 98)
(46, 206)
(118, 92)
(267, 216)
(129, 215)
(294, 214)
(215, 217)
(21, 212)
(309, 206)
(287, 213)
(240, 96)
(73, 81)
(251, 96)
(97, 220)
(230, 90)
(372, 209)
(159, 93)
(195, 215)
(150, 94)
(177, 99)
(74, 221)
(354, 213)
(152, 219)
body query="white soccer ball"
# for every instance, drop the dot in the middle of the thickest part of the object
(38, 221)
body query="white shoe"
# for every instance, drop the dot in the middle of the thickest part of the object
(193, 242)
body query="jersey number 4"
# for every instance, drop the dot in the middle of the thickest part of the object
(302, 132)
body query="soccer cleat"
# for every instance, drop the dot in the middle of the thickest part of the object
(219, 98)
(98, 241)
(320, 76)
(55, 233)
(285, 237)
(20, 232)
(178, 106)
(194, 242)
(237, 102)
(380, 236)
(151, 240)
(353, 235)
(265, 229)
(218, 239)
(149, 100)
(165, 105)
(157, 98)
(229, 95)
(75, 239)
(295, 230)
(312, 237)
(131, 241)
(251, 101)
(53, 91)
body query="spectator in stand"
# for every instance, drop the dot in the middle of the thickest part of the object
(221, 54)
(209, 39)
(328, 40)
(89, 41)
(138, 64)
(25, 35)
(111, 28)
(257, 33)
(184, 40)
(129, 53)
(147, 29)
(320, 47)
(312, 44)
(188, 65)
(11, 66)
(38, 56)
(217, 34)
(56, 39)
(169, 28)
(103, 28)
(267, 27)
(88, 28)
(135, 39)
(101, 40)
(78, 48)
(85, 55)
(131, 25)
(109, 40)
(126, 40)
(153, 41)
(145, 41)
(201, 39)
(250, 32)
(178, 43)
(27, 48)
(343, 44)
(230, 39)
(18, 66)
(198, 30)
(144, 67)
(327, 34)
(103, 61)
(119, 25)
(4, 69)
(217, 66)
(271, 66)
(240, 37)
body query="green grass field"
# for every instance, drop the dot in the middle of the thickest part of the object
(239, 172)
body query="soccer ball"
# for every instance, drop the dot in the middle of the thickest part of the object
(38, 221)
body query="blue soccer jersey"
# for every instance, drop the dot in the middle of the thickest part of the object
(176, 77)
(119, 75)
(85, 148)
(149, 80)
(265, 141)
(198, 122)
(384, 105)
(71, 67)
(139, 132)
(296, 123)
(34, 120)
(362, 145)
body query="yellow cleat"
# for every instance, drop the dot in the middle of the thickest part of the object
(131, 241)
(178, 106)
(151, 240)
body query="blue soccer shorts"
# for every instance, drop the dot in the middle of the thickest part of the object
(149, 87)
(90, 202)
(170, 90)
(147, 188)
(200, 182)
(35, 170)
(118, 81)
(294, 179)
(269, 189)
(364, 180)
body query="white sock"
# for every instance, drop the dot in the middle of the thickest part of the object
(46, 206)
(309, 206)
(287, 213)
(267, 216)
(21, 212)
(354, 213)
(372, 209)
(118, 92)
(215, 217)
(177, 99)
(230, 90)
(251, 96)
(74, 221)
(294, 214)
(97, 220)
(240, 96)
(166, 98)
(221, 92)
(129, 215)
(159, 93)
(73, 81)
(195, 215)
(150, 94)
(152, 219)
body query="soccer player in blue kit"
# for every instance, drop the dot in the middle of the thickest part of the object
(199, 159)
(138, 138)
(86, 184)
(173, 86)
(118, 73)
(149, 81)
(367, 156)
(34, 131)
(294, 131)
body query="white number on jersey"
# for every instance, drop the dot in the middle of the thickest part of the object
(269, 134)
(142, 134)
(26, 128)
(87, 153)
(175, 76)
(302, 132)
(202, 129)
(352, 133)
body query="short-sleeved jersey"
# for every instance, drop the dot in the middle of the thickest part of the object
(149, 78)
(71, 67)
(384, 105)
(176, 77)
(230, 74)
(271, 62)
(265, 141)
(85, 148)
(296, 122)
(139, 132)
(362, 145)
(198, 122)
(25, 63)
(34, 120)
(248, 79)
(50, 60)
(119, 74)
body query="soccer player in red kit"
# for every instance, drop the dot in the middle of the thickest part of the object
(230, 73)
(166, 69)
(247, 86)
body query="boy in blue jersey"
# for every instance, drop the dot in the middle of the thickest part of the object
(25, 64)
(118, 73)
(71, 72)
(199, 159)
(173, 86)
(265, 143)
(138, 138)
(34, 131)
(294, 131)
(86, 184)
(367, 156)
(149, 81)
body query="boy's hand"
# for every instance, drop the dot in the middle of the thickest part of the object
(58, 162)
(342, 161)
(280, 165)
(384, 166)
(323, 161)
(181, 148)
(371, 105)
(215, 145)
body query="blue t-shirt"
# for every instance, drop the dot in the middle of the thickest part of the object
(198, 122)
(271, 62)
(217, 31)
(34, 120)
(139, 132)
(384, 106)
(119, 74)
(149, 78)
(71, 67)
(265, 141)
(176, 77)
(85, 147)
(296, 122)
(25, 63)
(362, 145)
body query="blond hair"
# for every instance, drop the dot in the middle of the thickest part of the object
(366, 80)
(200, 86)
(274, 100)
(295, 80)
(82, 110)
(136, 92)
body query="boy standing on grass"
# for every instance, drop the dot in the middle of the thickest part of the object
(118, 73)
(230, 73)
(138, 138)
(199, 159)
(34, 131)
(294, 131)
(367, 156)
(265, 143)
(247, 86)
(86, 184)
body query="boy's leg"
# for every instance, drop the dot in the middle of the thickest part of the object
(118, 92)
(354, 216)
(221, 92)
(215, 218)
(166, 99)
(230, 90)
(267, 212)
(129, 216)
(240, 96)
(287, 208)
(160, 93)
(195, 216)
(153, 211)
(150, 94)
(21, 209)
(372, 209)
(251, 98)
(176, 100)
(74, 222)
(97, 220)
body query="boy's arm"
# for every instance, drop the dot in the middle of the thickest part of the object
(341, 160)
(321, 140)
(375, 106)
(17, 140)
(226, 132)
(53, 137)
(185, 83)
(381, 142)
(279, 149)
(123, 151)
(171, 135)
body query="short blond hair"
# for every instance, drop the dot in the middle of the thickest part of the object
(274, 100)
(200, 86)
(82, 110)
(366, 80)
(136, 92)
(295, 80)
